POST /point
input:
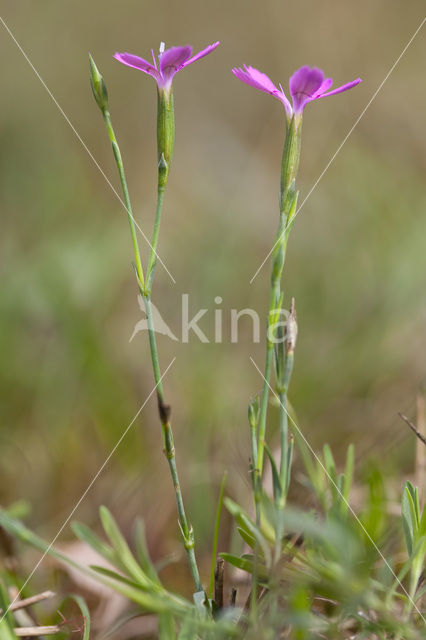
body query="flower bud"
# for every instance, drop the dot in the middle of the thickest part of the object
(98, 86)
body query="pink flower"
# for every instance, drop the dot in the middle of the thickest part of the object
(306, 84)
(170, 61)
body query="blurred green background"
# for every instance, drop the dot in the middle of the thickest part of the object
(70, 381)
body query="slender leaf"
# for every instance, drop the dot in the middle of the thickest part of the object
(330, 466)
(6, 631)
(247, 537)
(154, 603)
(245, 564)
(115, 576)
(142, 551)
(408, 518)
(289, 463)
(6, 616)
(276, 482)
(81, 604)
(166, 626)
(349, 471)
(216, 533)
(84, 533)
(188, 630)
(122, 548)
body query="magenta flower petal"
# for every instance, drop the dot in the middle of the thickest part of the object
(172, 60)
(201, 54)
(325, 85)
(309, 84)
(304, 85)
(344, 87)
(137, 63)
(261, 80)
(255, 78)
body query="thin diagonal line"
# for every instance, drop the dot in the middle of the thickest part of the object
(339, 148)
(92, 482)
(84, 145)
(299, 431)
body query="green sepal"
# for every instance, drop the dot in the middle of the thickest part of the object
(165, 134)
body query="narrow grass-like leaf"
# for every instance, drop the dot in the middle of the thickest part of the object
(245, 564)
(408, 518)
(349, 471)
(236, 511)
(188, 629)
(348, 478)
(314, 471)
(142, 552)
(115, 576)
(151, 602)
(330, 465)
(391, 592)
(166, 627)
(6, 631)
(276, 482)
(216, 533)
(289, 463)
(88, 536)
(422, 524)
(123, 551)
(81, 604)
(7, 621)
(247, 537)
(19, 509)
(254, 530)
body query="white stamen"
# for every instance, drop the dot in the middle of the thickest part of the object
(162, 47)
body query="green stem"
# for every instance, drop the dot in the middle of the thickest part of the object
(153, 253)
(254, 583)
(287, 204)
(266, 385)
(167, 434)
(278, 262)
(283, 436)
(120, 167)
(257, 471)
(285, 370)
(169, 449)
(283, 386)
(165, 141)
(287, 201)
(280, 503)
